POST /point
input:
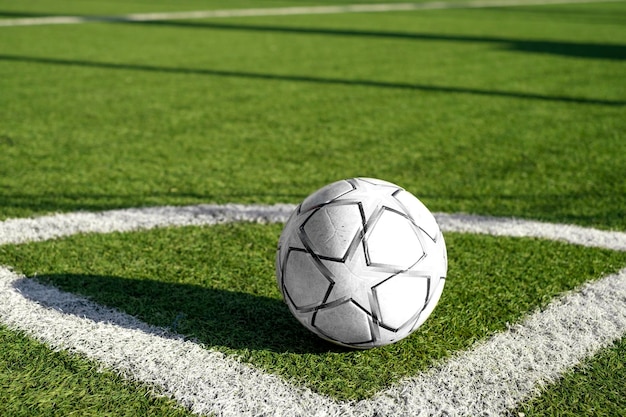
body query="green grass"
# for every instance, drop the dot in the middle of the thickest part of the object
(594, 388)
(216, 285)
(37, 382)
(475, 111)
(10, 9)
(506, 112)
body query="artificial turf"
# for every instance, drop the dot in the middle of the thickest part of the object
(216, 285)
(35, 381)
(594, 388)
(511, 112)
(499, 111)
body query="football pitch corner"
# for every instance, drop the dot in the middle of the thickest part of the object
(490, 378)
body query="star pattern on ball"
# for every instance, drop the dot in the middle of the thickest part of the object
(353, 265)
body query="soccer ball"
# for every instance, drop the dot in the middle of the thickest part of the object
(361, 263)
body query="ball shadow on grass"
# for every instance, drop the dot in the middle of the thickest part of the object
(217, 318)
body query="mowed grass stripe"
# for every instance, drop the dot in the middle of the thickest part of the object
(82, 308)
(284, 11)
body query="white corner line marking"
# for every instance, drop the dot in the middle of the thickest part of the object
(284, 11)
(201, 379)
(489, 379)
(22, 230)
(499, 373)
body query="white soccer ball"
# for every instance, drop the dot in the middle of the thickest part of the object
(361, 263)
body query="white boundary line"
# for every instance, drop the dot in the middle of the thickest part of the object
(488, 380)
(203, 380)
(498, 374)
(16, 231)
(285, 11)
